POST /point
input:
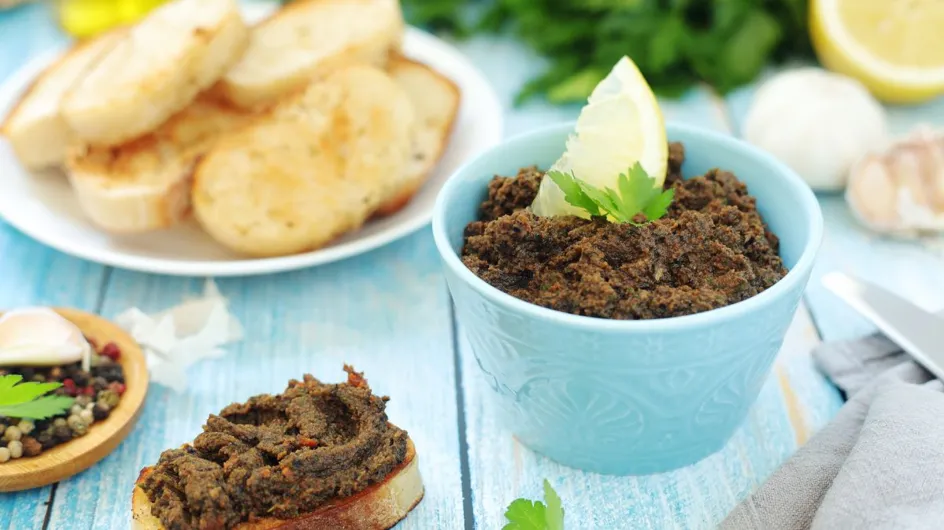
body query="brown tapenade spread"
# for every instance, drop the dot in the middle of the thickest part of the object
(278, 456)
(712, 249)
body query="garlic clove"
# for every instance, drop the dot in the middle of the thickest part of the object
(38, 336)
(900, 190)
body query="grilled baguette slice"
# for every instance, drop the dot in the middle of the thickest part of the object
(307, 40)
(157, 69)
(379, 507)
(145, 184)
(35, 128)
(310, 169)
(436, 102)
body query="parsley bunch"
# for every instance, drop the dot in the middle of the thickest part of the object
(637, 194)
(524, 514)
(28, 400)
(675, 43)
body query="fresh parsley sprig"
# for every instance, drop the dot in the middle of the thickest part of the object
(637, 194)
(524, 514)
(29, 400)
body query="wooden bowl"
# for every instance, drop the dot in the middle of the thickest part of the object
(79, 454)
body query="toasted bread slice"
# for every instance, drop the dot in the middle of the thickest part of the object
(145, 184)
(157, 69)
(436, 102)
(379, 507)
(36, 131)
(312, 168)
(307, 40)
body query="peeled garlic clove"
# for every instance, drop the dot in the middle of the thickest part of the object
(900, 190)
(38, 336)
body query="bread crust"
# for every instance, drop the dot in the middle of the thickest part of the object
(121, 98)
(436, 100)
(379, 507)
(40, 141)
(310, 169)
(312, 39)
(144, 184)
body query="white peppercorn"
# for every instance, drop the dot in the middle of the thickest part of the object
(4, 454)
(86, 416)
(59, 422)
(83, 400)
(76, 408)
(74, 421)
(26, 426)
(12, 433)
(16, 448)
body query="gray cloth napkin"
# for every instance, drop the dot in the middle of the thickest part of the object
(879, 464)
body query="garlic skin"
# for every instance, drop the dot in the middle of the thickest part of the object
(900, 190)
(817, 122)
(38, 336)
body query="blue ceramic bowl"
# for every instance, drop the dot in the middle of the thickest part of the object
(628, 397)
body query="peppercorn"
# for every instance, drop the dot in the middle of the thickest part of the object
(99, 383)
(100, 411)
(56, 373)
(62, 434)
(12, 433)
(73, 421)
(59, 422)
(80, 379)
(87, 416)
(16, 448)
(4, 454)
(111, 372)
(75, 409)
(31, 446)
(39, 378)
(109, 398)
(25, 426)
(82, 400)
(112, 351)
(79, 429)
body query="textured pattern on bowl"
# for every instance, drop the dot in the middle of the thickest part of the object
(628, 397)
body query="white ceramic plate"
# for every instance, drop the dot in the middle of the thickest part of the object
(42, 206)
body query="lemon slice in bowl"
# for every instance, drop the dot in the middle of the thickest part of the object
(620, 125)
(894, 47)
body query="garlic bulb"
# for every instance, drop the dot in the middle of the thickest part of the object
(817, 122)
(38, 336)
(901, 189)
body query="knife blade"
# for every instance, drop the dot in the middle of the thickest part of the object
(917, 331)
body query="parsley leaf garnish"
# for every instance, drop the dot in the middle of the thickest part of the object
(28, 400)
(524, 514)
(637, 194)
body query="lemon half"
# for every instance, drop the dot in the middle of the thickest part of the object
(894, 47)
(620, 125)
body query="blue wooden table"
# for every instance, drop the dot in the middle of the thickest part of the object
(388, 313)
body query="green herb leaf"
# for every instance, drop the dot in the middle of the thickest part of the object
(524, 514)
(28, 400)
(573, 193)
(637, 194)
(554, 512)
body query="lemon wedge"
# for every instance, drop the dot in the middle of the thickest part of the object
(620, 125)
(894, 47)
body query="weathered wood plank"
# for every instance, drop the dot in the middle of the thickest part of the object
(385, 312)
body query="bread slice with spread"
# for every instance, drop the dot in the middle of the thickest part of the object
(314, 167)
(317, 456)
(306, 40)
(34, 126)
(435, 101)
(144, 184)
(157, 68)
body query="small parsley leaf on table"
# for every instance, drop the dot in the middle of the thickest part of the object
(29, 400)
(637, 194)
(524, 514)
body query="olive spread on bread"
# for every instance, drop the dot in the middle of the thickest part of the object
(278, 457)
